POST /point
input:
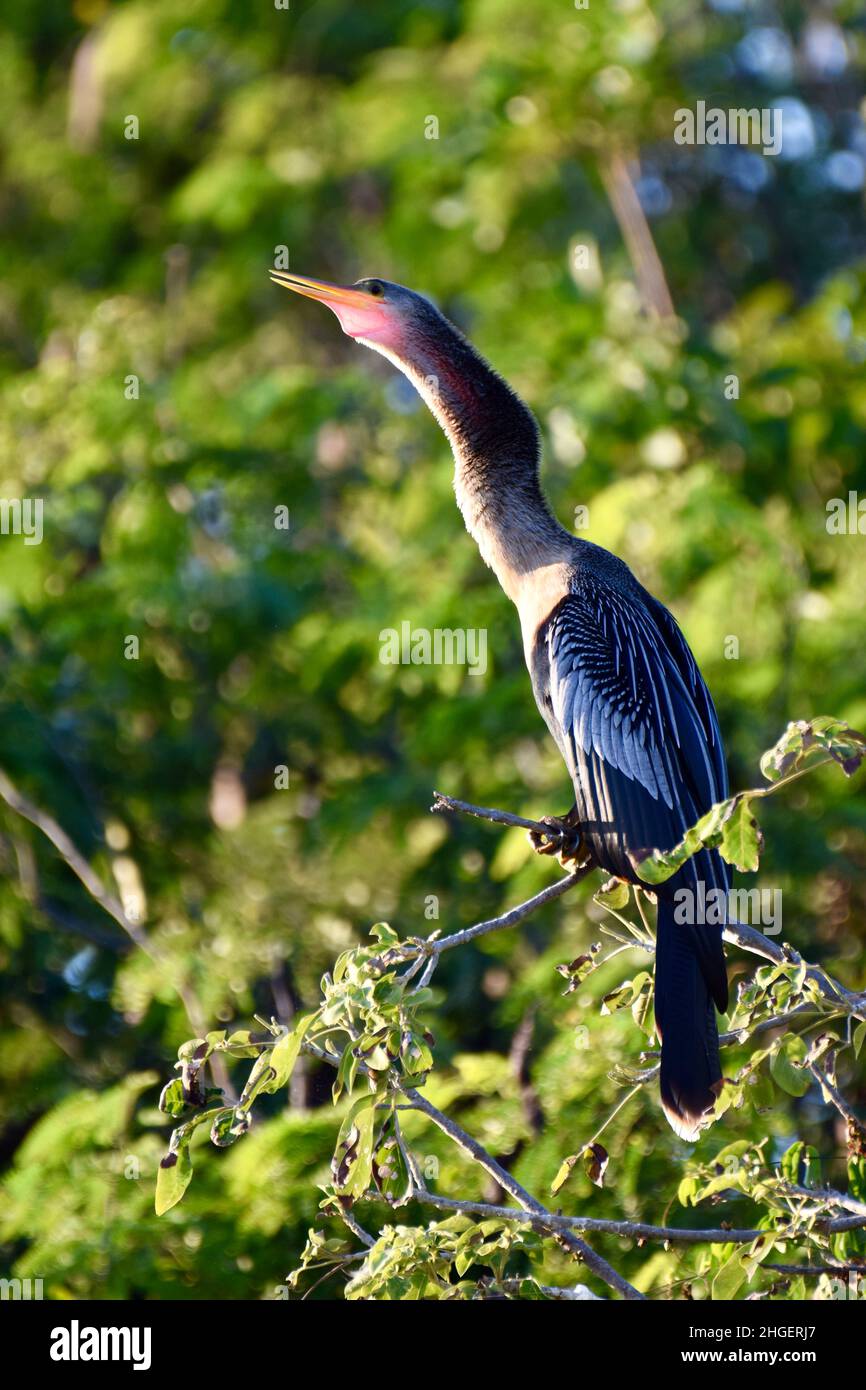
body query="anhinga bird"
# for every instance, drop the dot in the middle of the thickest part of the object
(612, 674)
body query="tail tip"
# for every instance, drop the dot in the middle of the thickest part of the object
(689, 1115)
(684, 1125)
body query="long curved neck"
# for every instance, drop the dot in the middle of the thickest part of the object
(495, 442)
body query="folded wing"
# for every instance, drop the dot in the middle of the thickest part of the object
(635, 723)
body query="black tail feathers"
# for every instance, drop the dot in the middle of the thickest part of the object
(686, 1018)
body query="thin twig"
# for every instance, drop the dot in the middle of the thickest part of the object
(766, 1025)
(636, 234)
(432, 949)
(356, 1228)
(54, 832)
(837, 1099)
(89, 878)
(613, 1114)
(450, 803)
(826, 1194)
(738, 934)
(513, 915)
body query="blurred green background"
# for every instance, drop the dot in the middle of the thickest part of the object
(147, 258)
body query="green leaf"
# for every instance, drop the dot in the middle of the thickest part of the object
(415, 1055)
(173, 1177)
(284, 1055)
(242, 1044)
(627, 994)
(578, 969)
(385, 934)
(729, 1279)
(224, 1130)
(390, 1171)
(758, 1251)
(790, 1162)
(728, 1095)
(614, 894)
(171, 1101)
(352, 1164)
(857, 1177)
(786, 1065)
(346, 1073)
(822, 735)
(641, 1009)
(660, 865)
(687, 1192)
(760, 1092)
(741, 836)
(257, 1081)
(566, 1168)
(781, 760)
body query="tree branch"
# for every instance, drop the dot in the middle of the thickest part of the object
(634, 1230)
(89, 878)
(450, 803)
(509, 918)
(738, 934)
(73, 858)
(534, 1213)
(855, 1124)
(828, 1194)
(356, 1228)
(637, 236)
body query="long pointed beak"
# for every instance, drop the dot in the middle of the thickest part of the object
(321, 289)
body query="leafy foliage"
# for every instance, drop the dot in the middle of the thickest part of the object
(731, 826)
(369, 1028)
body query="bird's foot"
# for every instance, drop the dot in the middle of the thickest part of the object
(564, 839)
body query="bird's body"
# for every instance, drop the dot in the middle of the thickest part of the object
(611, 672)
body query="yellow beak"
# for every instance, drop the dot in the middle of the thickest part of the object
(320, 289)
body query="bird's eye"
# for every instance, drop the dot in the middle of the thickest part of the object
(376, 289)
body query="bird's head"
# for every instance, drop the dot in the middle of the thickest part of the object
(375, 312)
(479, 413)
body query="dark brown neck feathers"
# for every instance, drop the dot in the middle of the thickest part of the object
(495, 442)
